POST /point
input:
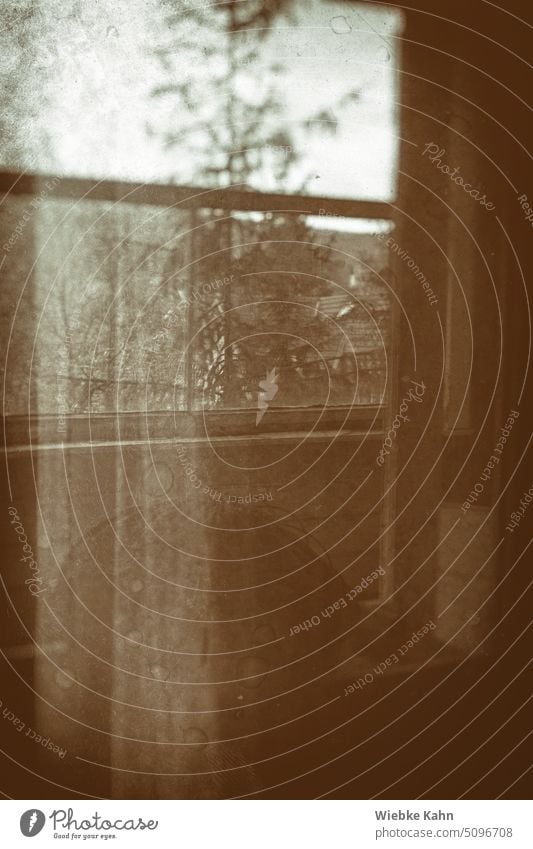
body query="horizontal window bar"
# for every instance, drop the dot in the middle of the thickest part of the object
(189, 196)
(201, 425)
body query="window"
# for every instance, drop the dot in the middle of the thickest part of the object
(169, 305)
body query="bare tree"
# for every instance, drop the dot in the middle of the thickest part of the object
(229, 126)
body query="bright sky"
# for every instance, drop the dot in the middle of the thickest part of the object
(101, 70)
(334, 50)
(101, 103)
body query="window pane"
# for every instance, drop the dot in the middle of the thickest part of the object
(131, 307)
(293, 314)
(297, 96)
(101, 289)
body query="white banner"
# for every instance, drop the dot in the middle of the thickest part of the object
(267, 824)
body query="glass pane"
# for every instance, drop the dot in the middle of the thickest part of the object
(293, 314)
(297, 96)
(100, 324)
(131, 307)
